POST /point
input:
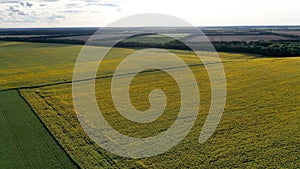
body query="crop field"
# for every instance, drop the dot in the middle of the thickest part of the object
(237, 38)
(93, 38)
(150, 39)
(33, 64)
(143, 39)
(25, 142)
(295, 33)
(29, 64)
(165, 39)
(259, 128)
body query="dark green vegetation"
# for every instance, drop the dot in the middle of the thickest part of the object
(25, 142)
(282, 48)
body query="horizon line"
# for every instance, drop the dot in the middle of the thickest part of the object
(220, 26)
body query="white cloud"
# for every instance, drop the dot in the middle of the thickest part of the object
(49, 13)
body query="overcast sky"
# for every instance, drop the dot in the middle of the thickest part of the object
(98, 13)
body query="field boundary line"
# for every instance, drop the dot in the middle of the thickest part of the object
(109, 160)
(69, 156)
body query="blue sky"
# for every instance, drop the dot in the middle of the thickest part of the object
(72, 13)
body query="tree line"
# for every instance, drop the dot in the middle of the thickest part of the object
(275, 48)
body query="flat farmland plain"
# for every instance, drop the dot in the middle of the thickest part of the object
(295, 33)
(259, 128)
(34, 64)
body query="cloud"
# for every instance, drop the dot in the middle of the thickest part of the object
(91, 1)
(29, 4)
(26, 4)
(48, 0)
(27, 12)
(9, 2)
(60, 12)
(104, 4)
(71, 11)
(54, 18)
(72, 5)
(111, 4)
(12, 10)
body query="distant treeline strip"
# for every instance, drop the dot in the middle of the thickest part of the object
(48, 31)
(43, 40)
(275, 48)
(278, 48)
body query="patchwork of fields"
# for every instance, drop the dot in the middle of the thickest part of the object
(259, 128)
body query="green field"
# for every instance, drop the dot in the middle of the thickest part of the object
(155, 38)
(259, 128)
(25, 142)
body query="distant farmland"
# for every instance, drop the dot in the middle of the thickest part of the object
(93, 38)
(279, 41)
(160, 39)
(144, 39)
(296, 33)
(237, 38)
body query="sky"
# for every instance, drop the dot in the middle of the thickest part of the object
(99, 13)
